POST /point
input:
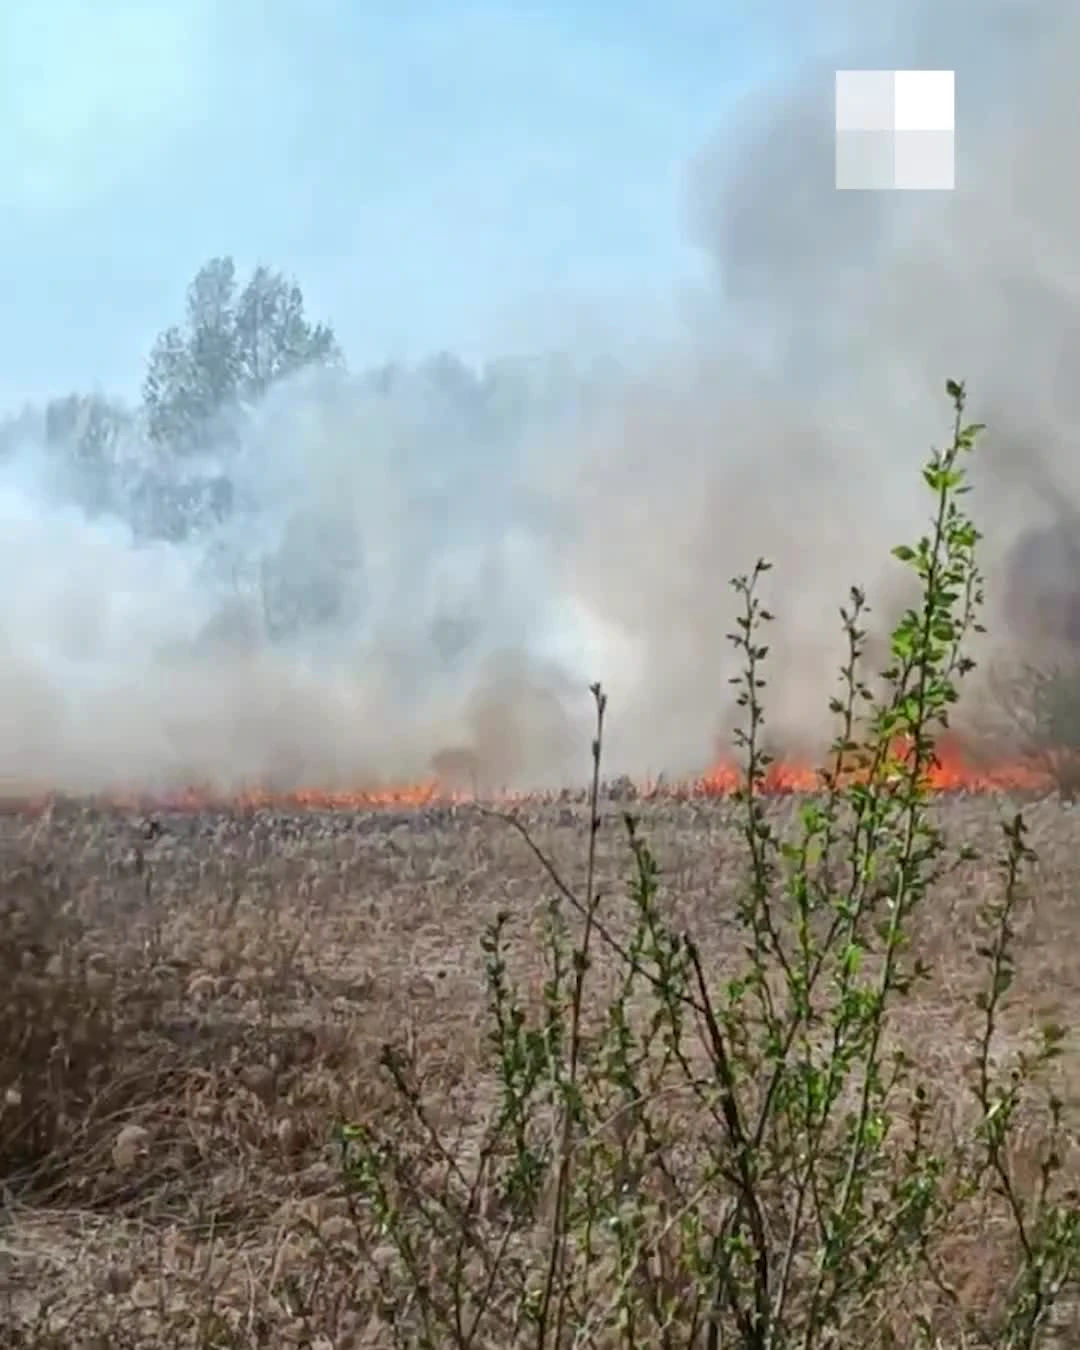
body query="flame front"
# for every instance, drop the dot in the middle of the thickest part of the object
(953, 769)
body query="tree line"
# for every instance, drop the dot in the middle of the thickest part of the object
(168, 467)
(238, 339)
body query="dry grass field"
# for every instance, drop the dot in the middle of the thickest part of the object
(194, 1002)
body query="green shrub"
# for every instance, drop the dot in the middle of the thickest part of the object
(744, 1158)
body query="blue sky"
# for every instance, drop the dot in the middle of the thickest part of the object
(436, 173)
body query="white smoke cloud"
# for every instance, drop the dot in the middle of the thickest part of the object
(482, 580)
(379, 593)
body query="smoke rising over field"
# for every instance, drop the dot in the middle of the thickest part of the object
(375, 593)
(800, 437)
(400, 586)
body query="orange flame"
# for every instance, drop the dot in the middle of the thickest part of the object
(953, 769)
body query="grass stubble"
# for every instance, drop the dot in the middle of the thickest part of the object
(222, 991)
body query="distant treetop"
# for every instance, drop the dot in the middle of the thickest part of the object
(232, 347)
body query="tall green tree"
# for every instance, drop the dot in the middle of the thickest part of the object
(232, 347)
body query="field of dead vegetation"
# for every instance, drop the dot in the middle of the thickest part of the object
(194, 1002)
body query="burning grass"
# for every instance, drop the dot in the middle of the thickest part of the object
(958, 765)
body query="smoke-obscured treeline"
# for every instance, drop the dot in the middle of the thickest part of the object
(272, 569)
(186, 458)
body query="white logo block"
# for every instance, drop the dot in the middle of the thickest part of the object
(895, 129)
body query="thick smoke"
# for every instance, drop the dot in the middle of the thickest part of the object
(391, 595)
(801, 437)
(371, 604)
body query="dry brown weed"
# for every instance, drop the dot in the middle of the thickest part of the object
(192, 1005)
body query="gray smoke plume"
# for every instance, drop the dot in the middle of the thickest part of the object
(801, 437)
(460, 592)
